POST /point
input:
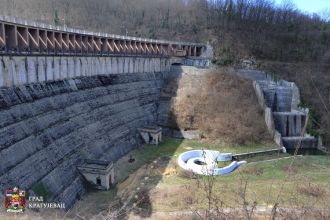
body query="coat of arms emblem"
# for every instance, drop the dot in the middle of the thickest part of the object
(15, 200)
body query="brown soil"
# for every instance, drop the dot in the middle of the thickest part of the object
(221, 105)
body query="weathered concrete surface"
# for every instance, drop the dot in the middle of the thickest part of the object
(306, 142)
(165, 117)
(284, 119)
(289, 123)
(18, 70)
(47, 128)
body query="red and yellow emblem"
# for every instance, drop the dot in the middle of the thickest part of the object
(15, 200)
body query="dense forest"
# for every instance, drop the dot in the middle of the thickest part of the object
(283, 40)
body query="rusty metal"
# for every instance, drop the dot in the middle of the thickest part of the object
(20, 37)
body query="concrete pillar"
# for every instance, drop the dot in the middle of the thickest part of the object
(131, 65)
(77, 67)
(299, 124)
(63, 68)
(41, 70)
(49, 69)
(32, 71)
(120, 65)
(89, 64)
(57, 68)
(108, 65)
(126, 65)
(103, 65)
(158, 67)
(147, 65)
(161, 64)
(115, 65)
(84, 71)
(83, 66)
(152, 65)
(71, 69)
(142, 67)
(20, 76)
(136, 65)
(10, 72)
(2, 73)
(96, 66)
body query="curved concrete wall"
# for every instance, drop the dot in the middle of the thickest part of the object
(47, 127)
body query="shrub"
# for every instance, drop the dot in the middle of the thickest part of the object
(186, 174)
(252, 170)
(311, 190)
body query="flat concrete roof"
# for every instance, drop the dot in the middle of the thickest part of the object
(95, 166)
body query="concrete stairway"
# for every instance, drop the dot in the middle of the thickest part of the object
(284, 118)
(282, 98)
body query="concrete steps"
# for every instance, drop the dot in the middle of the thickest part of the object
(287, 120)
(304, 142)
(289, 123)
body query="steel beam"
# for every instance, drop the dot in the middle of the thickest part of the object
(21, 37)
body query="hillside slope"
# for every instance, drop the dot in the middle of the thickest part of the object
(220, 105)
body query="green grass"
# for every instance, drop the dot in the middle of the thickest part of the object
(268, 182)
(172, 147)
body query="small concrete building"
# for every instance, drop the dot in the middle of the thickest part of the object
(151, 134)
(99, 173)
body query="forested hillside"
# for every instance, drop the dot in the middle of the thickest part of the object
(284, 41)
(239, 27)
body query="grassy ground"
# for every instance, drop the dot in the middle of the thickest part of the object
(155, 177)
(158, 185)
(173, 147)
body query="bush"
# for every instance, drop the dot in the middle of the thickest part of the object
(252, 170)
(186, 174)
(311, 190)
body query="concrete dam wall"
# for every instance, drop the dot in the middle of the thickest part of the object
(18, 70)
(57, 111)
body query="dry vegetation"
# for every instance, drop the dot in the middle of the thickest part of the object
(221, 106)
